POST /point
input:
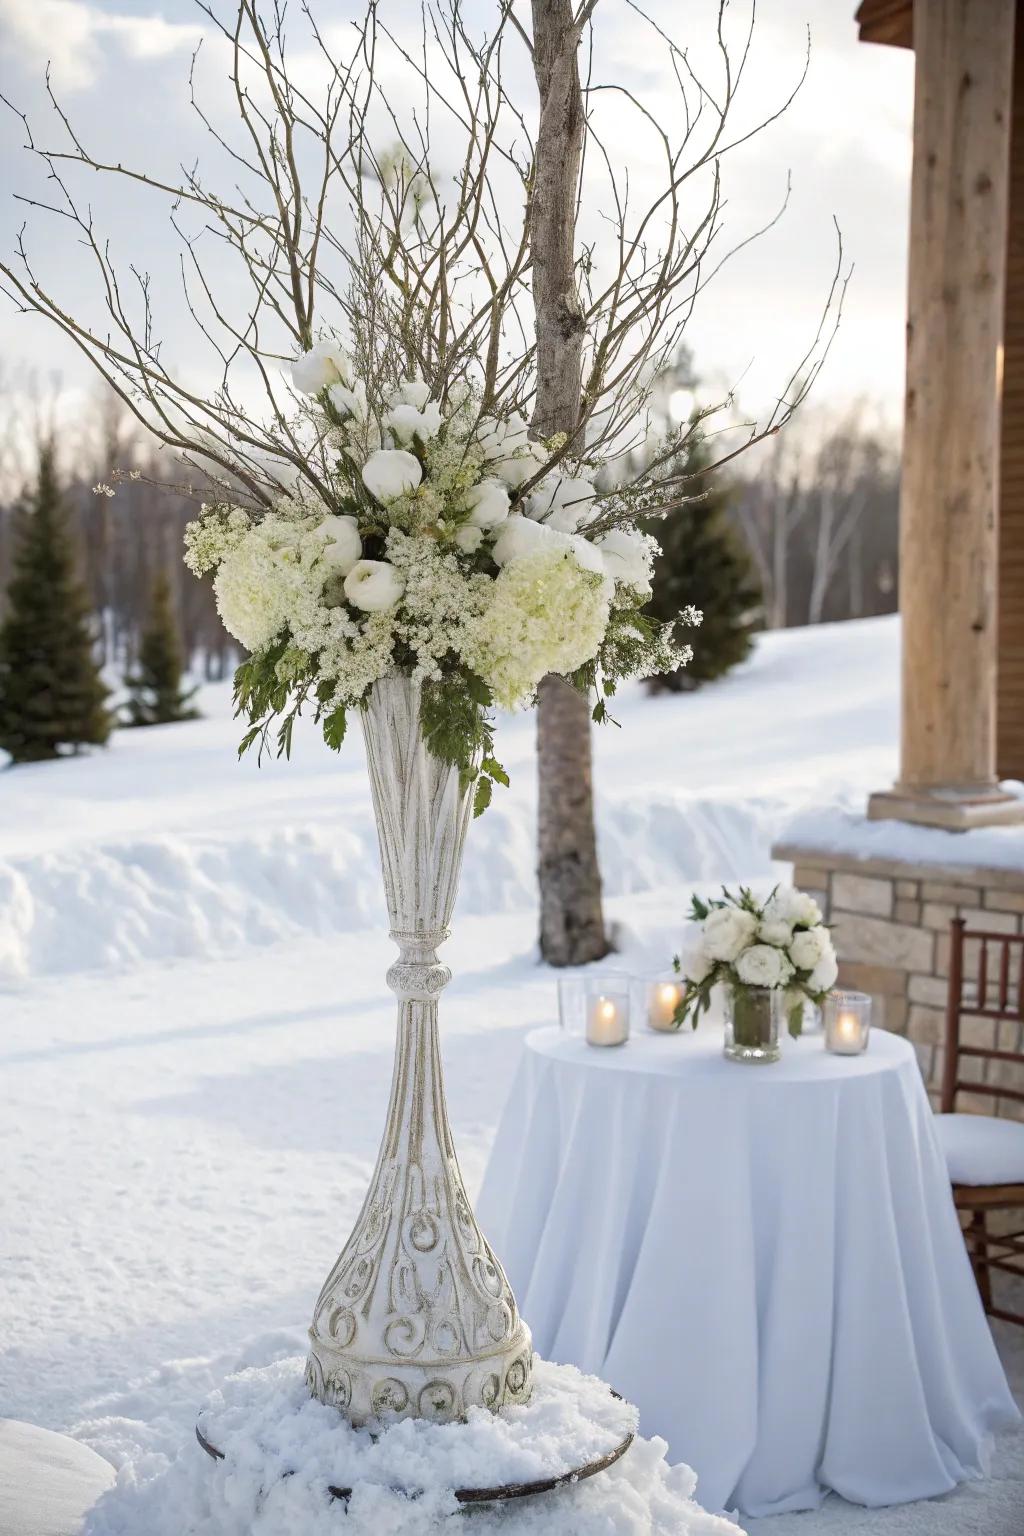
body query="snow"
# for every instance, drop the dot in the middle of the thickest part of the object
(845, 830)
(196, 1035)
(282, 1452)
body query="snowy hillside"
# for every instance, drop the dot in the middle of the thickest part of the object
(196, 1032)
(164, 846)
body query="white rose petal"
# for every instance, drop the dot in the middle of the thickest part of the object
(762, 965)
(810, 946)
(344, 546)
(727, 931)
(374, 586)
(824, 974)
(325, 364)
(488, 504)
(349, 401)
(793, 907)
(469, 538)
(411, 392)
(774, 933)
(406, 422)
(627, 558)
(697, 964)
(390, 473)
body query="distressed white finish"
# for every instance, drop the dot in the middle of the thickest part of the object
(417, 1318)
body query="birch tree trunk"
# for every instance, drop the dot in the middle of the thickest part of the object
(571, 921)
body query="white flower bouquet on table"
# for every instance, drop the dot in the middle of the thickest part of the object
(444, 544)
(770, 956)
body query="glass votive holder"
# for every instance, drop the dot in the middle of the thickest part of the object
(595, 1007)
(656, 999)
(847, 1022)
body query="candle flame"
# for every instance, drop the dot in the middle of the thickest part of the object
(669, 994)
(606, 1009)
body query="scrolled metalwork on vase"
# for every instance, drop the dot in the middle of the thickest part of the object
(416, 1318)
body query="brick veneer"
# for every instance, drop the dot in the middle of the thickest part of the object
(891, 930)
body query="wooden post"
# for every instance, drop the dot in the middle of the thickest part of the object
(951, 446)
(1010, 666)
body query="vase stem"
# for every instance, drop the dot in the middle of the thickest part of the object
(416, 1318)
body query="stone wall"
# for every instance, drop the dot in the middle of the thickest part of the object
(891, 930)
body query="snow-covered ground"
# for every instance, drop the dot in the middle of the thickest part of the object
(196, 1033)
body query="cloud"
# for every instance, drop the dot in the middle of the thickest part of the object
(75, 38)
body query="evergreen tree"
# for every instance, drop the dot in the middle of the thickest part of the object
(155, 688)
(51, 692)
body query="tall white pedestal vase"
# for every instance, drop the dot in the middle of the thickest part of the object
(416, 1318)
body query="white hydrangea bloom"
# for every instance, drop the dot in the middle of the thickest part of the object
(546, 614)
(374, 586)
(762, 965)
(390, 473)
(727, 931)
(255, 588)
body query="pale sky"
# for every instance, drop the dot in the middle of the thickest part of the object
(121, 68)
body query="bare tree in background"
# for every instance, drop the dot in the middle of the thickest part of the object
(457, 255)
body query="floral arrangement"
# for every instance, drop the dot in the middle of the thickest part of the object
(440, 542)
(780, 943)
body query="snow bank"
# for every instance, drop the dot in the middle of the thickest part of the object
(846, 830)
(282, 1451)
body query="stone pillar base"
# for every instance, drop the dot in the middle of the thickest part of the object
(955, 810)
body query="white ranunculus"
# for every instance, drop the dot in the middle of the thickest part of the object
(390, 473)
(762, 965)
(791, 906)
(488, 504)
(374, 586)
(344, 546)
(774, 932)
(469, 538)
(349, 400)
(561, 501)
(727, 931)
(697, 964)
(809, 946)
(411, 392)
(627, 558)
(490, 435)
(517, 470)
(824, 974)
(406, 422)
(325, 364)
(519, 536)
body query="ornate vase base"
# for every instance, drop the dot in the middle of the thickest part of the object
(573, 1428)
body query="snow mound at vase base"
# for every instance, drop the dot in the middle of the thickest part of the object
(282, 1451)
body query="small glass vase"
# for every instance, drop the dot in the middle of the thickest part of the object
(752, 1020)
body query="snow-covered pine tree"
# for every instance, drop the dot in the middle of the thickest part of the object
(155, 693)
(51, 694)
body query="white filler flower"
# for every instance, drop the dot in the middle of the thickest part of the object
(488, 504)
(374, 586)
(763, 966)
(727, 931)
(628, 558)
(810, 947)
(390, 473)
(344, 546)
(325, 364)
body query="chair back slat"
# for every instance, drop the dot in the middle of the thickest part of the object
(996, 993)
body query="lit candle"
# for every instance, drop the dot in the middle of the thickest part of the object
(607, 1021)
(847, 1022)
(663, 998)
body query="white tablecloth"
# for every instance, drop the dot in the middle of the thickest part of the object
(765, 1259)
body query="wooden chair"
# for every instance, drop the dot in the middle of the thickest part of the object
(985, 1154)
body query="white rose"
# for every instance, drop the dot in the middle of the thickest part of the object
(374, 586)
(561, 501)
(697, 964)
(469, 538)
(411, 392)
(586, 555)
(406, 422)
(727, 931)
(390, 473)
(516, 471)
(488, 504)
(349, 401)
(343, 546)
(808, 947)
(774, 933)
(823, 977)
(490, 435)
(787, 905)
(325, 364)
(763, 966)
(519, 536)
(516, 433)
(627, 558)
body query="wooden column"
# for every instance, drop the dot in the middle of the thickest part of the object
(951, 445)
(1010, 614)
